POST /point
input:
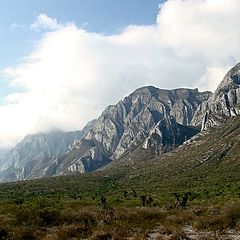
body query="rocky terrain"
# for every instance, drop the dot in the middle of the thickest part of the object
(224, 103)
(34, 153)
(149, 116)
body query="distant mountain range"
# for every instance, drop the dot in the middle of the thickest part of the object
(147, 118)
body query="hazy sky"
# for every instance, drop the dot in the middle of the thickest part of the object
(63, 61)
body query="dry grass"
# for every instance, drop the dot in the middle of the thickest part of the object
(24, 222)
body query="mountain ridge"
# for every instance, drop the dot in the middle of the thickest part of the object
(33, 151)
(131, 121)
(150, 117)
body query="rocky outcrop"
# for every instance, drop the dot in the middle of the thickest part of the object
(34, 153)
(224, 103)
(167, 133)
(83, 156)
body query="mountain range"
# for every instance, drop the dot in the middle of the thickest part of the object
(149, 118)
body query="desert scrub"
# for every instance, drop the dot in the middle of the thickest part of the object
(113, 231)
(220, 217)
(28, 233)
(231, 214)
(42, 219)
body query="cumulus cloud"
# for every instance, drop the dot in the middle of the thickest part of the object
(73, 74)
(43, 22)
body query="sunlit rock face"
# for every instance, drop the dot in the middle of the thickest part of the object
(224, 103)
(133, 119)
(142, 117)
(149, 116)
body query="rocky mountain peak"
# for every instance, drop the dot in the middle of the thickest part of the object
(231, 81)
(149, 116)
(147, 110)
(225, 101)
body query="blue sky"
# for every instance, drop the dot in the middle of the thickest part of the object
(105, 16)
(63, 61)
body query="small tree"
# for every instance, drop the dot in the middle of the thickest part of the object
(182, 200)
(177, 196)
(143, 200)
(103, 199)
(149, 201)
(134, 192)
(125, 193)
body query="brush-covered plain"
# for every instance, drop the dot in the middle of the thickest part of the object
(192, 191)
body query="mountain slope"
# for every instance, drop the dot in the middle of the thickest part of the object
(208, 162)
(34, 153)
(207, 165)
(148, 116)
(224, 103)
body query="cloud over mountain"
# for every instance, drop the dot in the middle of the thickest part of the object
(73, 74)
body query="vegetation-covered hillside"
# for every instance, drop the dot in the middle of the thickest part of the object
(195, 185)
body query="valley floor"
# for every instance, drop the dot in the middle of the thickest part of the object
(45, 219)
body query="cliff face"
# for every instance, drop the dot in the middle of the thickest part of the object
(224, 103)
(149, 116)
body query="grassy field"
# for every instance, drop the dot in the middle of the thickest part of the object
(196, 185)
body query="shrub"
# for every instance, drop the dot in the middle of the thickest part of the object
(49, 216)
(179, 234)
(85, 219)
(25, 233)
(152, 214)
(231, 214)
(70, 232)
(101, 235)
(116, 232)
(4, 234)
(24, 215)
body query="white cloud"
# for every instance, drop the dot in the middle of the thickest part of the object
(43, 22)
(73, 74)
(17, 25)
